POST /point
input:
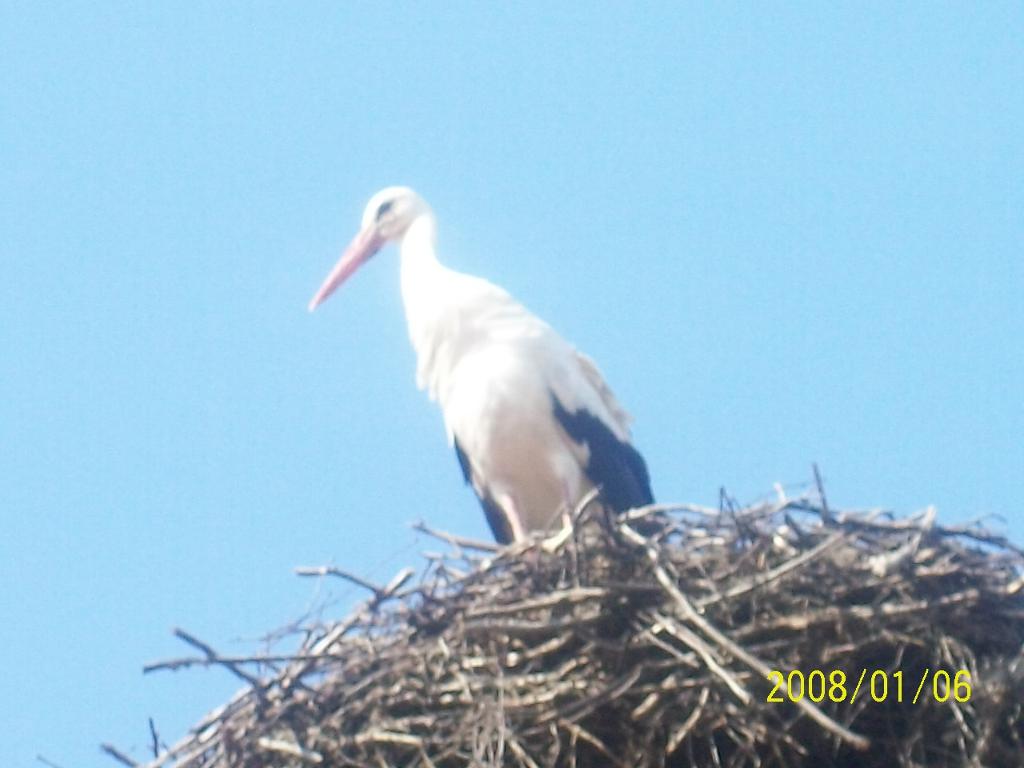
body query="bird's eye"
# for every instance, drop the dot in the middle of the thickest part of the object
(384, 208)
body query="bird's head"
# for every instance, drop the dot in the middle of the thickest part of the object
(387, 217)
(392, 210)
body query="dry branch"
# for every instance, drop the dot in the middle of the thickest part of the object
(607, 647)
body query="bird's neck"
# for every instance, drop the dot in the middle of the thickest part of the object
(420, 269)
(418, 246)
(424, 291)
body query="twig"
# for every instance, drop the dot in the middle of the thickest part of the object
(690, 614)
(826, 513)
(677, 736)
(601, 644)
(456, 541)
(154, 738)
(118, 755)
(582, 733)
(291, 749)
(214, 658)
(778, 572)
(257, 659)
(330, 570)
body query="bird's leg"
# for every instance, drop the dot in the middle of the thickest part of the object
(553, 543)
(511, 513)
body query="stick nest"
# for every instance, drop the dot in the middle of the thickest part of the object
(612, 648)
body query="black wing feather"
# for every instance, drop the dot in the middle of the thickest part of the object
(614, 465)
(495, 515)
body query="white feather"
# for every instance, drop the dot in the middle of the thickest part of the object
(493, 367)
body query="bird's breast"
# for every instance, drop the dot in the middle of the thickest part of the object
(499, 407)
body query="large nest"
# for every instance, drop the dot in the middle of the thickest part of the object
(897, 642)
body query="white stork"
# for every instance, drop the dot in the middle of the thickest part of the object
(534, 426)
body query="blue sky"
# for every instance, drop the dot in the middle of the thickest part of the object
(788, 233)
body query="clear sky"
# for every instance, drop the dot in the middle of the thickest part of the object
(788, 234)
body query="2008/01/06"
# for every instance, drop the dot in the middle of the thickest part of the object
(817, 687)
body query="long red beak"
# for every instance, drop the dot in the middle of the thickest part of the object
(362, 247)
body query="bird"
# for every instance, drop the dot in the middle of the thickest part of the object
(534, 426)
